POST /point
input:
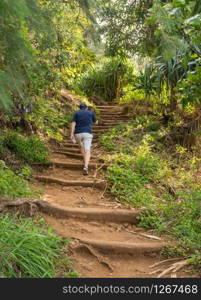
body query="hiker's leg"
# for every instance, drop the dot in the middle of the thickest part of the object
(87, 156)
(79, 140)
(87, 148)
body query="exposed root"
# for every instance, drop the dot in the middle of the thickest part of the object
(94, 253)
(98, 169)
(173, 268)
(26, 207)
(163, 261)
(102, 195)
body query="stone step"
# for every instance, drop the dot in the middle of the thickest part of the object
(100, 184)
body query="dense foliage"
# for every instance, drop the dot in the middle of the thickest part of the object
(107, 79)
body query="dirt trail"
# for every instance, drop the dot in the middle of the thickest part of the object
(105, 241)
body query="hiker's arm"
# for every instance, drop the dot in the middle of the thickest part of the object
(72, 135)
(94, 119)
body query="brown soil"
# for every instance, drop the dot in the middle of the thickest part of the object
(98, 248)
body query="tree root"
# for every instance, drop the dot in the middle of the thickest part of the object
(94, 253)
(98, 169)
(25, 207)
(173, 268)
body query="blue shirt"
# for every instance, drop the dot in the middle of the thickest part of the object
(84, 120)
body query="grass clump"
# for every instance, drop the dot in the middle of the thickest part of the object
(28, 248)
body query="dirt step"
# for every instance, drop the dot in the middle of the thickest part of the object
(102, 126)
(106, 236)
(69, 165)
(112, 107)
(67, 149)
(97, 214)
(100, 184)
(114, 118)
(124, 248)
(100, 107)
(111, 122)
(72, 154)
(67, 174)
(70, 145)
(112, 114)
(100, 130)
(73, 146)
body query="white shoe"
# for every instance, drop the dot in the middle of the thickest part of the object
(85, 171)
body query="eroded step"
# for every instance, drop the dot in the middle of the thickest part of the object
(71, 154)
(76, 196)
(69, 165)
(113, 115)
(106, 106)
(88, 214)
(69, 174)
(106, 237)
(90, 183)
(124, 247)
(102, 126)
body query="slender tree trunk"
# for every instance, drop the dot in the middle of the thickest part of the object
(173, 100)
(118, 88)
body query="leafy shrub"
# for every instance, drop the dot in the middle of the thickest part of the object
(106, 79)
(13, 185)
(132, 96)
(31, 148)
(189, 88)
(28, 248)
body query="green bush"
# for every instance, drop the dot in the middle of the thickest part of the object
(28, 248)
(106, 79)
(13, 185)
(31, 148)
(132, 96)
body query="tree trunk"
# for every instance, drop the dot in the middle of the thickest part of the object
(173, 100)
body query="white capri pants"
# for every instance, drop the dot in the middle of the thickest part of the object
(84, 140)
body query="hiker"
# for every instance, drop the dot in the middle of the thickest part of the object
(81, 132)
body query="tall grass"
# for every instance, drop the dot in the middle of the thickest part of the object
(28, 248)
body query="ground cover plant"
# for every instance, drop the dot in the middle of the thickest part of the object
(144, 174)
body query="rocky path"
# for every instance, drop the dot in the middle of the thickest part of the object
(105, 241)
